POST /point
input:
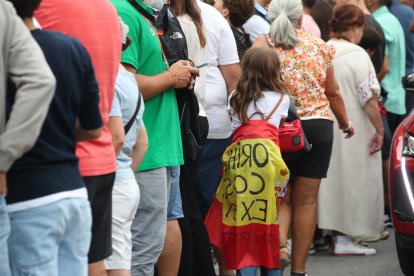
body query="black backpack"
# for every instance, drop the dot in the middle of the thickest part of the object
(194, 129)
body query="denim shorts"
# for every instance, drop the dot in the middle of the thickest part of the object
(4, 236)
(52, 239)
(175, 208)
(252, 271)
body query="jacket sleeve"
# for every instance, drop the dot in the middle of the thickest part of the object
(35, 84)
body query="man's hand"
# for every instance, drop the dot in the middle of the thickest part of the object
(184, 73)
(375, 144)
(3, 183)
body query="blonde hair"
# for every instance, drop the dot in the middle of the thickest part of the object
(284, 15)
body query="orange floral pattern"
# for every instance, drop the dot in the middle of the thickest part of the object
(304, 72)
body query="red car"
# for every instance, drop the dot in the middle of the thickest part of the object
(402, 187)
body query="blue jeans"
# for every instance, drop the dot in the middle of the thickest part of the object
(52, 239)
(209, 171)
(4, 236)
(175, 206)
(251, 271)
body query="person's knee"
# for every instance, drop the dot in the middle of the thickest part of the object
(173, 235)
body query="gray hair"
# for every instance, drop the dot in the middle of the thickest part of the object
(284, 15)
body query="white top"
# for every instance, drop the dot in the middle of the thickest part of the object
(351, 198)
(45, 200)
(198, 55)
(256, 26)
(265, 105)
(362, 78)
(222, 50)
(124, 105)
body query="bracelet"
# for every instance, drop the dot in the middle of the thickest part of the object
(347, 128)
(174, 77)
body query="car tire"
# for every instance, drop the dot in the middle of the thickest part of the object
(405, 257)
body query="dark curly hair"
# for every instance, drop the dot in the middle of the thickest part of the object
(308, 3)
(345, 17)
(371, 38)
(25, 8)
(239, 11)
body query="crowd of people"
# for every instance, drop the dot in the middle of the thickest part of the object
(141, 137)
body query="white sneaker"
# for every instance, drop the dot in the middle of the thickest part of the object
(352, 249)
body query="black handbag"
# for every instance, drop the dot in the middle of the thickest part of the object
(408, 83)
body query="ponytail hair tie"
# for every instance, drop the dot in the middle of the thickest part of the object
(283, 13)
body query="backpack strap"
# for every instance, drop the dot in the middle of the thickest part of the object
(275, 108)
(142, 11)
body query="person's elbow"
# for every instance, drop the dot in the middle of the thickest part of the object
(84, 135)
(386, 69)
(95, 133)
(47, 84)
(118, 142)
(145, 145)
(47, 80)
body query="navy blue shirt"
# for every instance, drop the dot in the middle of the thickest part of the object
(51, 166)
(405, 15)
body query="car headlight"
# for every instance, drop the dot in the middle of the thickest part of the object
(408, 149)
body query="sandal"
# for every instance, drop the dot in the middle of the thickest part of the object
(284, 257)
(298, 274)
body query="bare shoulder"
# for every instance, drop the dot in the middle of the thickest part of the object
(261, 42)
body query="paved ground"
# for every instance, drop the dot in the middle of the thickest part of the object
(385, 263)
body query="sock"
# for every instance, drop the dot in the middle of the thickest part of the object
(342, 240)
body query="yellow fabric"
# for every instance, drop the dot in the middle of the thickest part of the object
(254, 174)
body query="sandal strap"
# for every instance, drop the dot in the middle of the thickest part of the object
(298, 274)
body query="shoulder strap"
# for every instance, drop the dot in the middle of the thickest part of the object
(142, 11)
(275, 108)
(128, 126)
(159, 19)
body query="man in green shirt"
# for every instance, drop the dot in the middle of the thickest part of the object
(395, 52)
(156, 80)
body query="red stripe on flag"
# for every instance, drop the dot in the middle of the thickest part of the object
(250, 245)
(256, 129)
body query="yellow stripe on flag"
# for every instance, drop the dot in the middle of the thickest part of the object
(253, 175)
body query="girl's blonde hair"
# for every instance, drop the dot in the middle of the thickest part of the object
(260, 71)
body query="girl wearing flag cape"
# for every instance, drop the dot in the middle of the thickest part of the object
(243, 219)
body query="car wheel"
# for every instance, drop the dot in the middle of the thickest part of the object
(405, 257)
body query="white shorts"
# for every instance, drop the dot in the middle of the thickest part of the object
(125, 200)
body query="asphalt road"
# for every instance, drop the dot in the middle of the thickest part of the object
(384, 263)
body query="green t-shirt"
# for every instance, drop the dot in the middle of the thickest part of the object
(161, 112)
(395, 51)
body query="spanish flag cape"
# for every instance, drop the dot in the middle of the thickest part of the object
(243, 221)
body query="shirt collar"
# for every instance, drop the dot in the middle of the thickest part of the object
(381, 10)
(260, 9)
